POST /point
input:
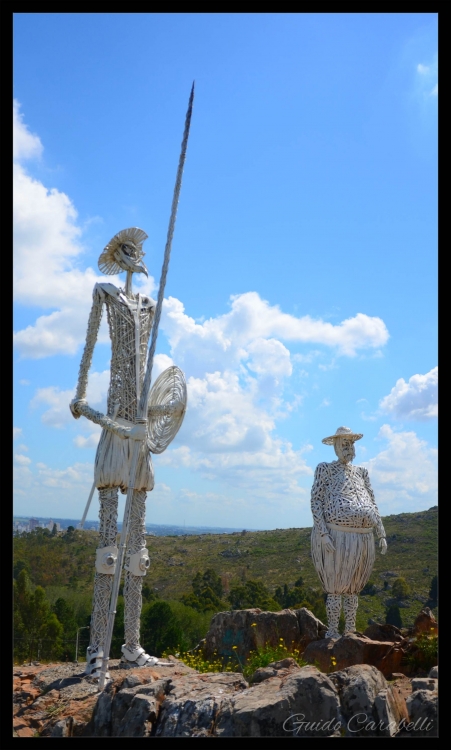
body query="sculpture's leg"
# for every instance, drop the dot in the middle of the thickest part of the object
(132, 650)
(333, 607)
(103, 582)
(350, 604)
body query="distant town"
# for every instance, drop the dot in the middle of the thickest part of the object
(26, 525)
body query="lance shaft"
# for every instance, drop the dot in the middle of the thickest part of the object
(142, 406)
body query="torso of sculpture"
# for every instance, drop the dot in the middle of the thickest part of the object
(344, 513)
(130, 320)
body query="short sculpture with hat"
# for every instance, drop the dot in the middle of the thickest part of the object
(345, 518)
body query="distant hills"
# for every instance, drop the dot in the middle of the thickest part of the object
(274, 558)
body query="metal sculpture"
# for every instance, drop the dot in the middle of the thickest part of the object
(138, 421)
(344, 514)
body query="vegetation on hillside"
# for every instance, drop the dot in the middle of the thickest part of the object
(196, 576)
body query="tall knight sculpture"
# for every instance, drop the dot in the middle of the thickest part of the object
(344, 514)
(130, 319)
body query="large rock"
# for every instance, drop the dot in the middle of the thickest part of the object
(234, 634)
(425, 623)
(358, 687)
(303, 704)
(335, 654)
(422, 708)
(390, 633)
(191, 707)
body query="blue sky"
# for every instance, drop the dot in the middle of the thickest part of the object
(302, 288)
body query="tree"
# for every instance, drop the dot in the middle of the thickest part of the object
(290, 597)
(252, 594)
(433, 591)
(393, 616)
(207, 592)
(159, 628)
(54, 530)
(34, 622)
(369, 589)
(400, 589)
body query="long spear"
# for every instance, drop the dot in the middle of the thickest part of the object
(142, 406)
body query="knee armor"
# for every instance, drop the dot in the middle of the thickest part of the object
(139, 563)
(106, 558)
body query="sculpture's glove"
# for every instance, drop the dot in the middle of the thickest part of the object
(73, 407)
(327, 543)
(383, 545)
(138, 432)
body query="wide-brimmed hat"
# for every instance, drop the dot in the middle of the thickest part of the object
(107, 262)
(342, 432)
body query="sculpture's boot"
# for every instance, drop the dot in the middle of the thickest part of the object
(350, 604)
(333, 607)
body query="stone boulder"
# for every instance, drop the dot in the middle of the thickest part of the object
(425, 623)
(335, 654)
(378, 632)
(303, 704)
(192, 704)
(368, 704)
(235, 634)
(422, 706)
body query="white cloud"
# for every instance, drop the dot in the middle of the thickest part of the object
(405, 473)
(22, 460)
(417, 399)
(26, 145)
(17, 432)
(47, 251)
(224, 340)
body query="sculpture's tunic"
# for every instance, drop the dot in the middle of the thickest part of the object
(343, 506)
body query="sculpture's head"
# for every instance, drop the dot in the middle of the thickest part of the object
(344, 449)
(343, 442)
(124, 252)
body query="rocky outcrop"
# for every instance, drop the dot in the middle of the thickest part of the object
(179, 702)
(235, 634)
(354, 649)
(378, 632)
(425, 623)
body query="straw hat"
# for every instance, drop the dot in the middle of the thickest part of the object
(342, 432)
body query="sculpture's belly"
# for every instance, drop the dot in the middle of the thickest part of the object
(351, 511)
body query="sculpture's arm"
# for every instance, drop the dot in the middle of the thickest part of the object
(95, 317)
(317, 498)
(138, 432)
(380, 531)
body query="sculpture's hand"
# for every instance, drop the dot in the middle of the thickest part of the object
(163, 410)
(383, 545)
(73, 407)
(327, 543)
(138, 432)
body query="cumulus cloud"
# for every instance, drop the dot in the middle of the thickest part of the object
(225, 340)
(48, 249)
(26, 145)
(405, 472)
(416, 399)
(17, 432)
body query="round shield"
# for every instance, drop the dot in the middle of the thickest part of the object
(166, 408)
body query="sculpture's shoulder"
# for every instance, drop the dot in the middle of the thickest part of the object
(104, 288)
(148, 302)
(323, 469)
